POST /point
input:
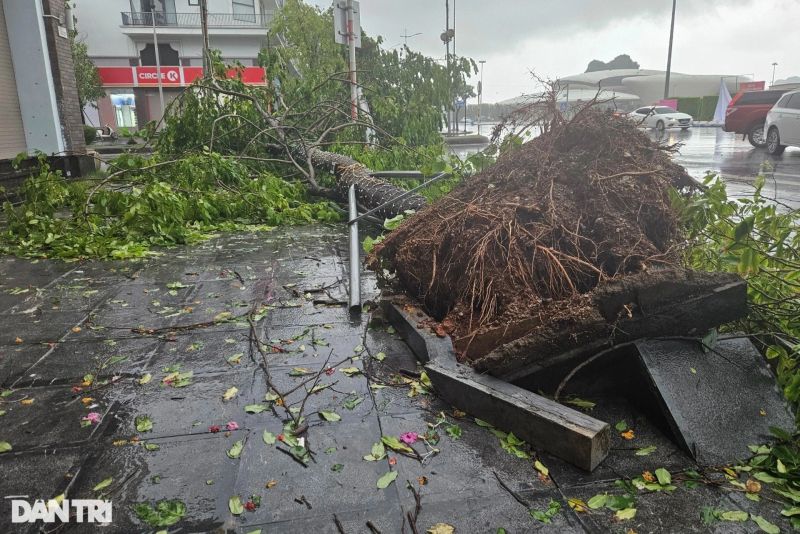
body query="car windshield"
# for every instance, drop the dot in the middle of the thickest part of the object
(663, 110)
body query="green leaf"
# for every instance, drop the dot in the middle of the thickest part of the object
(268, 437)
(387, 479)
(5, 446)
(255, 408)
(396, 445)
(454, 431)
(663, 476)
(791, 512)
(143, 423)
(230, 393)
(646, 451)
(621, 426)
(146, 378)
(104, 484)
(626, 513)
(581, 403)
(765, 525)
(337, 467)
(546, 516)
(151, 447)
(734, 515)
(166, 513)
(350, 371)
(352, 402)
(236, 450)
(299, 371)
(379, 356)
(598, 501)
(378, 452)
(235, 505)
(330, 416)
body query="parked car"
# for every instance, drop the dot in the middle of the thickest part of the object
(783, 124)
(747, 113)
(660, 118)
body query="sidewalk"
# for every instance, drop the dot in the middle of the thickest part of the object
(106, 327)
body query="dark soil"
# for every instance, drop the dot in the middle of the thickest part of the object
(516, 246)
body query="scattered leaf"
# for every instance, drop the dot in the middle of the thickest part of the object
(387, 479)
(104, 484)
(166, 513)
(765, 525)
(350, 371)
(271, 484)
(441, 528)
(146, 378)
(626, 513)
(352, 402)
(299, 371)
(621, 426)
(539, 466)
(629, 435)
(330, 416)
(734, 515)
(235, 505)
(143, 423)
(230, 393)
(663, 476)
(337, 467)
(396, 445)
(152, 447)
(646, 451)
(546, 516)
(379, 356)
(236, 450)
(255, 408)
(5, 446)
(268, 437)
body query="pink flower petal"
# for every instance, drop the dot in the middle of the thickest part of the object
(232, 425)
(93, 417)
(409, 438)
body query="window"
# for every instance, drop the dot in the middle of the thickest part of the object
(783, 101)
(759, 97)
(794, 103)
(642, 111)
(663, 110)
(244, 10)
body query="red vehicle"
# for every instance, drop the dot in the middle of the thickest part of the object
(747, 113)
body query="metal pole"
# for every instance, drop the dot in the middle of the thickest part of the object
(355, 259)
(449, 73)
(351, 33)
(480, 99)
(158, 56)
(669, 53)
(773, 74)
(204, 29)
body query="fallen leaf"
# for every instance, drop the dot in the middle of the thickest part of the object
(645, 451)
(628, 435)
(663, 476)
(146, 378)
(350, 371)
(765, 525)
(648, 476)
(539, 466)
(18, 340)
(337, 467)
(268, 437)
(299, 371)
(330, 416)
(236, 450)
(254, 408)
(441, 528)
(26, 402)
(422, 480)
(734, 515)
(387, 479)
(271, 484)
(143, 423)
(5, 446)
(104, 484)
(235, 505)
(380, 356)
(626, 513)
(578, 505)
(621, 426)
(752, 486)
(230, 393)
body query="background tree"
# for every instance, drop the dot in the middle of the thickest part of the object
(623, 61)
(90, 88)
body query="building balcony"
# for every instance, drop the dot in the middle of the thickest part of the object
(136, 22)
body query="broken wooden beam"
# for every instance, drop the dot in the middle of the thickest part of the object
(646, 305)
(569, 434)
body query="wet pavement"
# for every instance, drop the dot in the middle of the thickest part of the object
(160, 345)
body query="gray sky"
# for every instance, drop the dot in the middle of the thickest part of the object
(560, 38)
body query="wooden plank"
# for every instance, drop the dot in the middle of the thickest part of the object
(569, 434)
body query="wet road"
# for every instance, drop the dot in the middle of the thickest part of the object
(706, 150)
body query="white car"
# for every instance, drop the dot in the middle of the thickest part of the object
(660, 118)
(783, 124)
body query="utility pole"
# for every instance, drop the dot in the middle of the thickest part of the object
(669, 53)
(449, 72)
(206, 48)
(351, 40)
(480, 97)
(158, 56)
(773, 74)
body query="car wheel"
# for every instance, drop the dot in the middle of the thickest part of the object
(756, 136)
(774, 145)
(660, 126)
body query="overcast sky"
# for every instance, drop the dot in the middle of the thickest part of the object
(560, 38)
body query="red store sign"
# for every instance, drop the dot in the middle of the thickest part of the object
(170, 76)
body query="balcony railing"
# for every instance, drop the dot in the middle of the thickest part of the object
(192, 20)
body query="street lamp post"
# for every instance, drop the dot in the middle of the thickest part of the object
(773, 74)
(669, 53)
(480, 97)
(158, 56)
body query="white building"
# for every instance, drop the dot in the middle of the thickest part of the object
(120, 38)
(648, 85)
